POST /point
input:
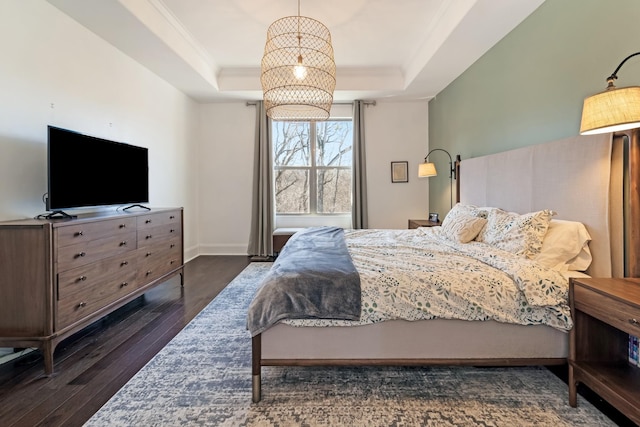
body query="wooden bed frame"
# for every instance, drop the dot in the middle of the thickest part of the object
(586, 174)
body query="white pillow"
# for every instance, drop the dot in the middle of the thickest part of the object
(462, 227)
(565, 246)
(515, 233)
(462, 209)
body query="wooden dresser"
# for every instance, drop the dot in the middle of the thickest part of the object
(58, 276)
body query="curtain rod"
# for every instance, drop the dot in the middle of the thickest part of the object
(372, 102)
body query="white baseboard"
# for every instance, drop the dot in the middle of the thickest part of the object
(222, 249)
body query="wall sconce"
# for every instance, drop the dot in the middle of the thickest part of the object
(428, 169)
(612, 110)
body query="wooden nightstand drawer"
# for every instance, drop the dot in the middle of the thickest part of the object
(618, 314)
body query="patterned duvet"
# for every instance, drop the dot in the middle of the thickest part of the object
(419, 274)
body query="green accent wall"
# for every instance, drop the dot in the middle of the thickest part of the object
(529, 88)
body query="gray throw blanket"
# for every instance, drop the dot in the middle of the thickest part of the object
(312, 278)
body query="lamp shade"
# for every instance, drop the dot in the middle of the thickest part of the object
(610, 111)
(298, 70)
(426, 170)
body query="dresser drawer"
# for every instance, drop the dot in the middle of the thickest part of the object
(154, 235)
(607, 309)
(85, 232)
(80, 254)
(157, 219)
(153, 264)
(155, 247)
(97, 274)
(87, 300)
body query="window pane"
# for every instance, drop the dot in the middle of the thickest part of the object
(292, 191)
(291, 143)
(334, 191)
(333, 141)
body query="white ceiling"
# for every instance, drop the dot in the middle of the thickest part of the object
(211, 49)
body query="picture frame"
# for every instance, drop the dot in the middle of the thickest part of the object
(399, 172)
(433, 217)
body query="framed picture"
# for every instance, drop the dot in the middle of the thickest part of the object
(433, 217)
(399, 172)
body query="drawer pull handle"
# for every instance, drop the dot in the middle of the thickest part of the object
(172, 230)
(82, 304)
(123, 243)
(148, 236)
(80, 255)
(82, 278)
(633, 321)
(172, 261)
(123, 225)
(148, 221)
(172, 217)
(148, 272)
(123, 263)
(148, 254)
(79, 233)
(173, 245)
(123, 284)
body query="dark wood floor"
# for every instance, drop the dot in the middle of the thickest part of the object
(94, 364)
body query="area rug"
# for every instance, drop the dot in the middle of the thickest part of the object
(203, 378)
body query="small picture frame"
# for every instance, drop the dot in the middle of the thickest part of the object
(399, 172)
(433, 217)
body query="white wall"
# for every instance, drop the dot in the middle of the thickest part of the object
(54, 71)
(226, 173)
(395, 131)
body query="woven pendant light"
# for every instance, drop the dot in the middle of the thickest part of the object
(298, 70)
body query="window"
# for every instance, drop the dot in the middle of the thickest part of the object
(312, 167)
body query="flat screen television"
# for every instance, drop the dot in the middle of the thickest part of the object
(85, 171)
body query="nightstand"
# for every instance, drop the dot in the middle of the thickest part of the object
(415, 223)
(280, 237)
(605, 312)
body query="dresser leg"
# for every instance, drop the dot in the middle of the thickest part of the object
(47, 353)
(573, 396)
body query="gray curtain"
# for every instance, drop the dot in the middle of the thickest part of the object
(262, 214)
(359, 215)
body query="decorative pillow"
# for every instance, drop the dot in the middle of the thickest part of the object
(463, 227)
(565, 246)
(465, 210)
(515, 233)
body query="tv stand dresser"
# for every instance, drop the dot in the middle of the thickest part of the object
(58, 276)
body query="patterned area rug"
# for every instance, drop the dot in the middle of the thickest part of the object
(203, 378)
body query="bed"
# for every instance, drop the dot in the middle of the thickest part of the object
(577, 180)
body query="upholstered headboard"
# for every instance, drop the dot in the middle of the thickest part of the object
(580, 178)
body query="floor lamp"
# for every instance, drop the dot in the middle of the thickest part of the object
(618, 110)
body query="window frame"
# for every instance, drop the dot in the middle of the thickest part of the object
(313, 174)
